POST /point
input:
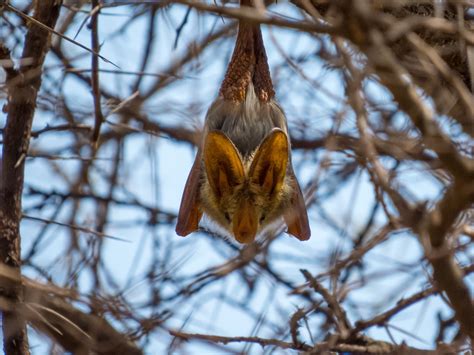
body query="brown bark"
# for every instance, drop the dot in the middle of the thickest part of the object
(23, 90)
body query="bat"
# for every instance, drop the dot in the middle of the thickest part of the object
(242, 176)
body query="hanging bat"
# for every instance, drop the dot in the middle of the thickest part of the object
(242, 177)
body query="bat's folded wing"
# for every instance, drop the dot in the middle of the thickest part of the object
(190, 212)
(296, 216)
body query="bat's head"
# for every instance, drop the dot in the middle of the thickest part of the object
(245, 196)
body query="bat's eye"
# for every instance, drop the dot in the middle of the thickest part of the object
(262, 218)
(227, 217)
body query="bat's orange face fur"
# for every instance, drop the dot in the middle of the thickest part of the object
(245, 195)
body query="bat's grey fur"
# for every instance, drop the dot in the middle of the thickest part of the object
(246, 124)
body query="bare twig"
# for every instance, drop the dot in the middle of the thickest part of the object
(99, 117)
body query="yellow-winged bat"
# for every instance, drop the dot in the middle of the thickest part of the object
(242, 177)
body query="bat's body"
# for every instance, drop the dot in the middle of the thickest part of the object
(246, 124)
(242, 176)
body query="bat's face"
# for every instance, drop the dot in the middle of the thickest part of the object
(244, 197)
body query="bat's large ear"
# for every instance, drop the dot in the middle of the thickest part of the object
(189, 211)
(269, 164)
(223, 164)
(296, 216)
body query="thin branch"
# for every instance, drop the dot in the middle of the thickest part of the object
(51, 30)
(99, 117)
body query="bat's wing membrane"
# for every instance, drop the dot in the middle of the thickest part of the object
(190, 212)
(296, 216)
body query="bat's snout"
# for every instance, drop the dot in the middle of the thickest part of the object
(245, 223)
